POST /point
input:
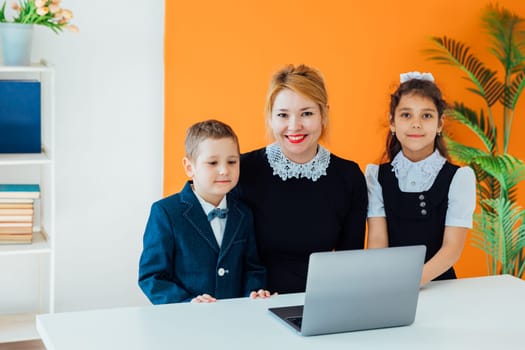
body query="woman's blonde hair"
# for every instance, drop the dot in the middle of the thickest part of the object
(303, 80)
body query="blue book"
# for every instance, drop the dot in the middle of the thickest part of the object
(20, 112)
(19, 191)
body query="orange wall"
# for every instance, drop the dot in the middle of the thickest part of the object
(220, 56)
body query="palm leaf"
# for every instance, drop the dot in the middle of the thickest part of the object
(498, 232)
(463, 153)
(499, 226)
(511, 97)
(506, 237)
(488, 187)
(485, 238)
(479, 125)
(507, 169)
(503, 27)
(453, 52)
(520, 268)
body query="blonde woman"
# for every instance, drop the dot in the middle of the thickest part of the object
(304, 198)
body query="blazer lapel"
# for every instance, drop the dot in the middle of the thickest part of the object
(197, 218)
(233, 225)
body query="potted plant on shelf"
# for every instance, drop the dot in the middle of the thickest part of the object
(17, 32)
(499, 226)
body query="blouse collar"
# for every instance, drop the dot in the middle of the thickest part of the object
(285, 168)
(429, 166)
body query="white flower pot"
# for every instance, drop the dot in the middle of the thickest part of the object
(16, 43)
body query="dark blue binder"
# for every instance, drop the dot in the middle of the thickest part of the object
(20, 111)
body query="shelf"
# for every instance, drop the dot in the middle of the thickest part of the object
(23, 158)
(36, 260)
(40, 245)
(18, 327)
(36, 67)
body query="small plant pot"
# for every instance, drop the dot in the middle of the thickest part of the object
(17, 41)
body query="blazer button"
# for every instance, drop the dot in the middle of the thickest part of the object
(421, 197)
(221, 272)
(422, 204)
(423, 212)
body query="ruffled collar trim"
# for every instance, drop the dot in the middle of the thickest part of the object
(429, 167)
(286, 169)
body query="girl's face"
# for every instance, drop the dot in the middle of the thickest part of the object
(297, 125)
(416, 123)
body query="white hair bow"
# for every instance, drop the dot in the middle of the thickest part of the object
(415, 75)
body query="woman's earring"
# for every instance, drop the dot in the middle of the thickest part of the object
(438, 133)
(393, 133)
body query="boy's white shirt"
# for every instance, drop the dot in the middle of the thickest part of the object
(217, 224)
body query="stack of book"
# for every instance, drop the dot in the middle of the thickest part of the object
(17, 212)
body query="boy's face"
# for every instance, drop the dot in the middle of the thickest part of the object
(215, 170)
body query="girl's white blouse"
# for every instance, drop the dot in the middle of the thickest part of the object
(419, 177)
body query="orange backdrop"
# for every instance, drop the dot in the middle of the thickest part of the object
(220, 55)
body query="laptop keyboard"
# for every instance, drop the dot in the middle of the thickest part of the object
(296, 320)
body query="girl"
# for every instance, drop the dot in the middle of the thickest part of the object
(418, 197)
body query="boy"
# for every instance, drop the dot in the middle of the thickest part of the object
(199, 244)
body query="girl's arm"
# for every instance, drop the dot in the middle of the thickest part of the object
(377, 229)
(377, 232)
(447, 255)
(461, 205)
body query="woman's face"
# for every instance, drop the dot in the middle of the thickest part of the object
(297, 124)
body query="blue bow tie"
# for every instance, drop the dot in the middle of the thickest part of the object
(217, 213)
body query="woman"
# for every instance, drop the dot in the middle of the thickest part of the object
(304, 199)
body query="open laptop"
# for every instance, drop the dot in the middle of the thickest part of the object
(357, 290)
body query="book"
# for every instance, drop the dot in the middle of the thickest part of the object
(16, 205)
(16, 201)
(20, 125)
(12, 239)
(16, 218)
(16, 211)
(27, 191)
(15, 224)
(16, 229)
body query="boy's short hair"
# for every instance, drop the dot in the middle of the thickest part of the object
(208, 129)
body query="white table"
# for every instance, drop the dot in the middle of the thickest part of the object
(473, 313)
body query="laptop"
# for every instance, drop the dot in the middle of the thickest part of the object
(356, 290)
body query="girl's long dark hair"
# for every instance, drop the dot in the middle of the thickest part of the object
(423, 88)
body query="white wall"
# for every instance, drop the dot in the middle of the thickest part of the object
(109, 146)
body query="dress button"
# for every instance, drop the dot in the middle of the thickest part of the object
(221, 272)
(421, 197)
(423, 212)
(422, 204)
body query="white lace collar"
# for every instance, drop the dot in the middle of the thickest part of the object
(429, 167)
(286, 169)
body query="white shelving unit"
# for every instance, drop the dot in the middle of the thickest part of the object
(28, 270)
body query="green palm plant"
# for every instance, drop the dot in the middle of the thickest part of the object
(499, 225)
